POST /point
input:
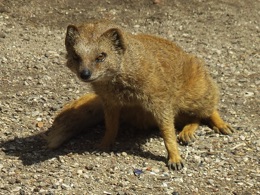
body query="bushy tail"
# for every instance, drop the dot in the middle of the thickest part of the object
(77, 116)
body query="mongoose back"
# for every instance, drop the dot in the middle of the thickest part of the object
(145, 71)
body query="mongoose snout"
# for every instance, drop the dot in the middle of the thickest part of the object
(85, 74)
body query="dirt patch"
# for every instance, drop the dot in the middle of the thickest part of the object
(35, 84)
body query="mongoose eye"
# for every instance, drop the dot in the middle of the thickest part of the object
(101, 57)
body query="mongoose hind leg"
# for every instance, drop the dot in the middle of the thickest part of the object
(218, 125)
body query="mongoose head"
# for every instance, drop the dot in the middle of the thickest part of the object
(94, 51)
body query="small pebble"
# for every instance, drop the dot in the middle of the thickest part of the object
(2, 35)
(40, 124)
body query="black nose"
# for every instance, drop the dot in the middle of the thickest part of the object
(85, 74)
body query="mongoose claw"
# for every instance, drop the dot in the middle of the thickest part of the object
(231, 129)
(185, 137)
(225, 129)
(175, 166)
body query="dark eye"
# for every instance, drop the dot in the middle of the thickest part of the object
(101, 57)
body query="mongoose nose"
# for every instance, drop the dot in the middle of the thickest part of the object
(85, 74)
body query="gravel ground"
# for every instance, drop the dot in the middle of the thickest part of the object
(35, 84)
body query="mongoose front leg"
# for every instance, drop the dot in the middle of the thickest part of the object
(169, 136)
(218, 125)
(112, 123)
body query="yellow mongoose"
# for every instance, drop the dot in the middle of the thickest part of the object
(138, 77)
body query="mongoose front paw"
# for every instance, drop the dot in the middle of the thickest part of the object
(175, 163)
(224, 129)
(185, 137)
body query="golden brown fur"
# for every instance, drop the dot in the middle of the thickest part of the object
(141, 79)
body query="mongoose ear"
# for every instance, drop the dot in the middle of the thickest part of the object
(116, 37)
(72, 34)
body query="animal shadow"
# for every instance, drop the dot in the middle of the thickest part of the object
(33, 149)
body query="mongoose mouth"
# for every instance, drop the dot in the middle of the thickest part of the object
(89, 80)
(86, 76)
